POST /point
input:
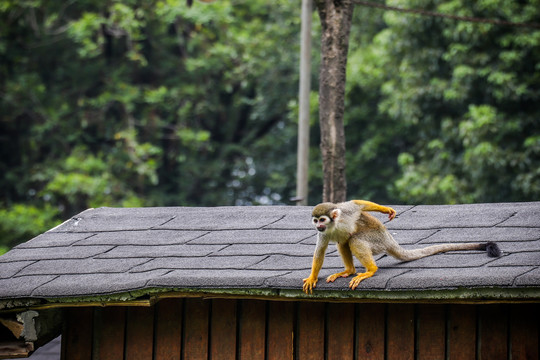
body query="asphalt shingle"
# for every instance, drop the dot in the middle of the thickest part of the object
(210, 278)
(455, 216)
(53, 253)
(412, 236)
(261, 236)
(159, 251)
(22, 287)
(10, 269)
(109, 251)
(196, 263)
(456, 277)
(51, 239)
(94, 284)
(473, 234)
(145, 237)
(80, 266)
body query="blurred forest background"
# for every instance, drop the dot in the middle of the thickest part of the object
(152, 103)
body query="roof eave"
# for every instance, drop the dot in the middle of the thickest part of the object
(148, 297)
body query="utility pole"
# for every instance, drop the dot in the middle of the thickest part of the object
(303, 118)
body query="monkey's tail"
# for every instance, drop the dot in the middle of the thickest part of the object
(408, 255)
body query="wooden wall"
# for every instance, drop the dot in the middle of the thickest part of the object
(195, 329)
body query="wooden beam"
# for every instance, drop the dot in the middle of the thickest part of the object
(82, 304)
(14, 326)
(15, 349)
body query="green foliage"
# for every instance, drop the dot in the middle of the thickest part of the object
(447, 108)
(22, 222)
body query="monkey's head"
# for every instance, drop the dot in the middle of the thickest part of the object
(324, 215)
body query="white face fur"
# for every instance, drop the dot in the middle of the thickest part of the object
(322, 222)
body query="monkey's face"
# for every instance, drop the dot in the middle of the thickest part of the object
(325, 222)
(324, 215)
(321, 222)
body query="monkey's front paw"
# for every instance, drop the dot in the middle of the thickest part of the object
(309, 284)
(391, 214)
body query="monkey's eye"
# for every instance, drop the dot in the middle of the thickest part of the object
(321, 220)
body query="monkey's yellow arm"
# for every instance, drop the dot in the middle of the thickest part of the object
(318, 258)
(371, 206)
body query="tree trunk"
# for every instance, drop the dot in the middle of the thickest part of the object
(336, 19)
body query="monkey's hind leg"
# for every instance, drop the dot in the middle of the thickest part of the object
(366, 258)
(346, 256)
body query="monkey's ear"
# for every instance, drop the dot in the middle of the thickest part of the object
(334, 214)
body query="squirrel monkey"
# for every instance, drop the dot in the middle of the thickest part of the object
(358, 233)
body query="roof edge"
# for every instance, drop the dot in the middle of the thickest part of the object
(147, 297)
(458, 295)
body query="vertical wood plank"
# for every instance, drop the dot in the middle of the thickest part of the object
(196, 329)
(310, 331)
(430, 332)
(461, 332)
(371, 326)
(400, 332)
(139, 333)
(340, 331)
(168, 328)
(78, 333)
(493, 343)
(524, 327)
(110, 333)
(280, 330)
(252, 330)
(223, 330)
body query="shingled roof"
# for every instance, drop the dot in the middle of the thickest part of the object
(126, 253)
